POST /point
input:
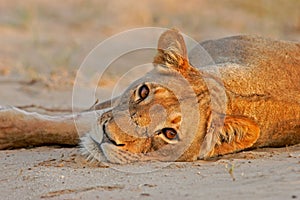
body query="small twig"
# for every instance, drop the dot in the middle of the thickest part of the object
(230, 169)
(23, 82)
(46, 109)
(93, 106)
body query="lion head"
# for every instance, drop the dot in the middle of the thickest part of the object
(165, 115)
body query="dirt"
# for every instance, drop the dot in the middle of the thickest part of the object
(61, 173)
(44, 42)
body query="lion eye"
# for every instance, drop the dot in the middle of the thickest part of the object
(143, 92)
(169, 133)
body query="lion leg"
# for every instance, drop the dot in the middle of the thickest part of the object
(19, 128)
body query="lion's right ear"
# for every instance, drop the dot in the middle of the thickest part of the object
(171, 50)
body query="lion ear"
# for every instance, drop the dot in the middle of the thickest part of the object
(171, 49)
(236, 134)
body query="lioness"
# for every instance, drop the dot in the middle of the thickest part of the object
(175, 113)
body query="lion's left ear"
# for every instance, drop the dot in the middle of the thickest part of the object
(171, 50)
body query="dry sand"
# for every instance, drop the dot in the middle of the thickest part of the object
(60, 173)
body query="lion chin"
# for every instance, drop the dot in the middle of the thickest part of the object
(103, 150)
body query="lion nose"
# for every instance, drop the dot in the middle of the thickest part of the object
(105, 116)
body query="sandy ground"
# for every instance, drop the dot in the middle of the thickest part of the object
(44, 42)
(60, 173)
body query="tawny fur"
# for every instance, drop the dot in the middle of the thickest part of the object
(261, 79)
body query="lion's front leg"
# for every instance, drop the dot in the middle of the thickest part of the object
(19, 128)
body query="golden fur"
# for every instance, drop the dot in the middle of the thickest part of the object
(261, 79)
(181, 111)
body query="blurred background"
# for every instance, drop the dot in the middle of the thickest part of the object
(46, 41)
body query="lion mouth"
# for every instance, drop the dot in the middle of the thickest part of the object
(98, 145)
(106, 138)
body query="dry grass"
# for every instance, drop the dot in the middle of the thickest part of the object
(40, 39)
